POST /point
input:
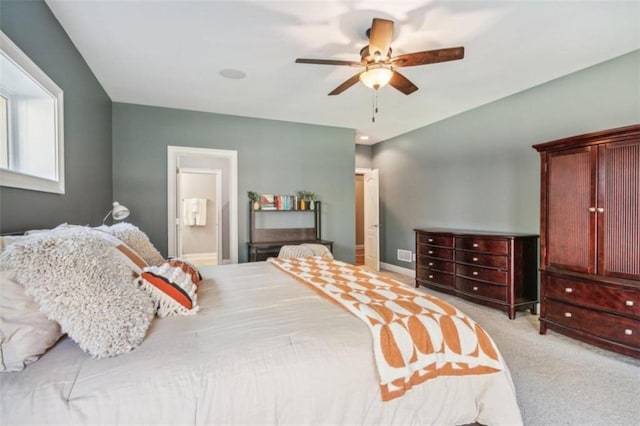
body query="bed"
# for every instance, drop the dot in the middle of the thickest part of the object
(262, 349)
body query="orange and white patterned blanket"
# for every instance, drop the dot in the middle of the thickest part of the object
(416, 336)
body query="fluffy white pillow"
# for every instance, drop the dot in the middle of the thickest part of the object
(25, 332)
(136, 239)
(77, 281)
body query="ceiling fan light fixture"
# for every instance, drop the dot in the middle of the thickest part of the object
(376, 76)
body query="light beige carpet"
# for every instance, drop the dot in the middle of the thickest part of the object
(559, 381)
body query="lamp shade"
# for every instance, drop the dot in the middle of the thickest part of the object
(119, 211)
(376, 76)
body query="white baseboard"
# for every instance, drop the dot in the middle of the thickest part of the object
(398, 269)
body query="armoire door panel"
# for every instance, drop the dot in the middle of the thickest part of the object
(619, 210)
(571, 209)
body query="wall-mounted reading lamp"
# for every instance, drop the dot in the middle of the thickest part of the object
(118, 212)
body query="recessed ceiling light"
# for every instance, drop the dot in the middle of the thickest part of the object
(364, 137)
(232, 74)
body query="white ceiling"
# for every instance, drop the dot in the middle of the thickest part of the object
(170, 53)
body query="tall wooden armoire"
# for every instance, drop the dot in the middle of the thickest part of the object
(590, 238)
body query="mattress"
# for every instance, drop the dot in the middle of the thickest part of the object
(263, 349)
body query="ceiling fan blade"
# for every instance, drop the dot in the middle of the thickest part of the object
(344, 86)
(380, 37)
(328, 62)
(402, 83)
(428, 57)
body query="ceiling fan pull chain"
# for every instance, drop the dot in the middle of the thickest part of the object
(376, 101)
(373, 107)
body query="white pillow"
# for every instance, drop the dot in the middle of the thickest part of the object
(25, 332)
(77, 281)
(136, 239)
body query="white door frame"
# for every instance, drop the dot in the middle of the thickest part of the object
(179, 224)
(173, 153)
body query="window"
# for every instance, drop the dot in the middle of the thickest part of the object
(31, 125)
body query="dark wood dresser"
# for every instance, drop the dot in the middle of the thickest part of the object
(491, 268)
(590, 238)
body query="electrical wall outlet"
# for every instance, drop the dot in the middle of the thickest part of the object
(405, 255)
(414, 257)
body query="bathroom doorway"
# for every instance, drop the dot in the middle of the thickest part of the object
(199, 233)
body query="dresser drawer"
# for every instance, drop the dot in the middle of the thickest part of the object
(488, 260)
(599, 296)
(494, 275)
(479, 288)
(435, 252)
(437, 264)
(436, 240)
(483, 245)
(435, 276)
(607, 326)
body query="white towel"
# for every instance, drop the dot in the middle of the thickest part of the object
(201, 217)
(195, 211)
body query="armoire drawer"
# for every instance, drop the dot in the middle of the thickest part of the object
(592, 295)
(488, 260)
(494, 275)
(482, 245)
(607, 326)
(479, 288)
(436, 240)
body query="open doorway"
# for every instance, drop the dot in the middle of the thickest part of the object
(198, 234)
(193, 216)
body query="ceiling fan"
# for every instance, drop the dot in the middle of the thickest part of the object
(380, 66)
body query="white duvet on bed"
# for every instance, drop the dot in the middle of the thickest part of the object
(264, 349)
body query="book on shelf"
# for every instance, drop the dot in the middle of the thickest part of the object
(267, 202)
(278, 202)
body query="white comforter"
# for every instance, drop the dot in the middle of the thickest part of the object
(264, 349)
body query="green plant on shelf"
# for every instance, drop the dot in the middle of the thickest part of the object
(254, 197)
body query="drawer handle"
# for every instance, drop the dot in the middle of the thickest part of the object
(475, 245)
(628, 331)
(430, 252)
(568, 290)
(430, 263)
(568, 314)
(430, 240)
(430, 277)
(475, 272)
(475, 288)
(628, 303)
(475, 259)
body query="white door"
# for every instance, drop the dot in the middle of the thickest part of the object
(371, 221)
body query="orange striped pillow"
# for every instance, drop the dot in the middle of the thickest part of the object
(173, 287)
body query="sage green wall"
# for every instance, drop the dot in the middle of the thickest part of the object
(274, 157)
(87, 126)
(477, 170)
(363, 156)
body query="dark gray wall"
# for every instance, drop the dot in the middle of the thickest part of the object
(364, 155)
(87, 126)
(274, 157)
(477, 170)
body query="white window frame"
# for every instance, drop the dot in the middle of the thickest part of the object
(15, 179)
